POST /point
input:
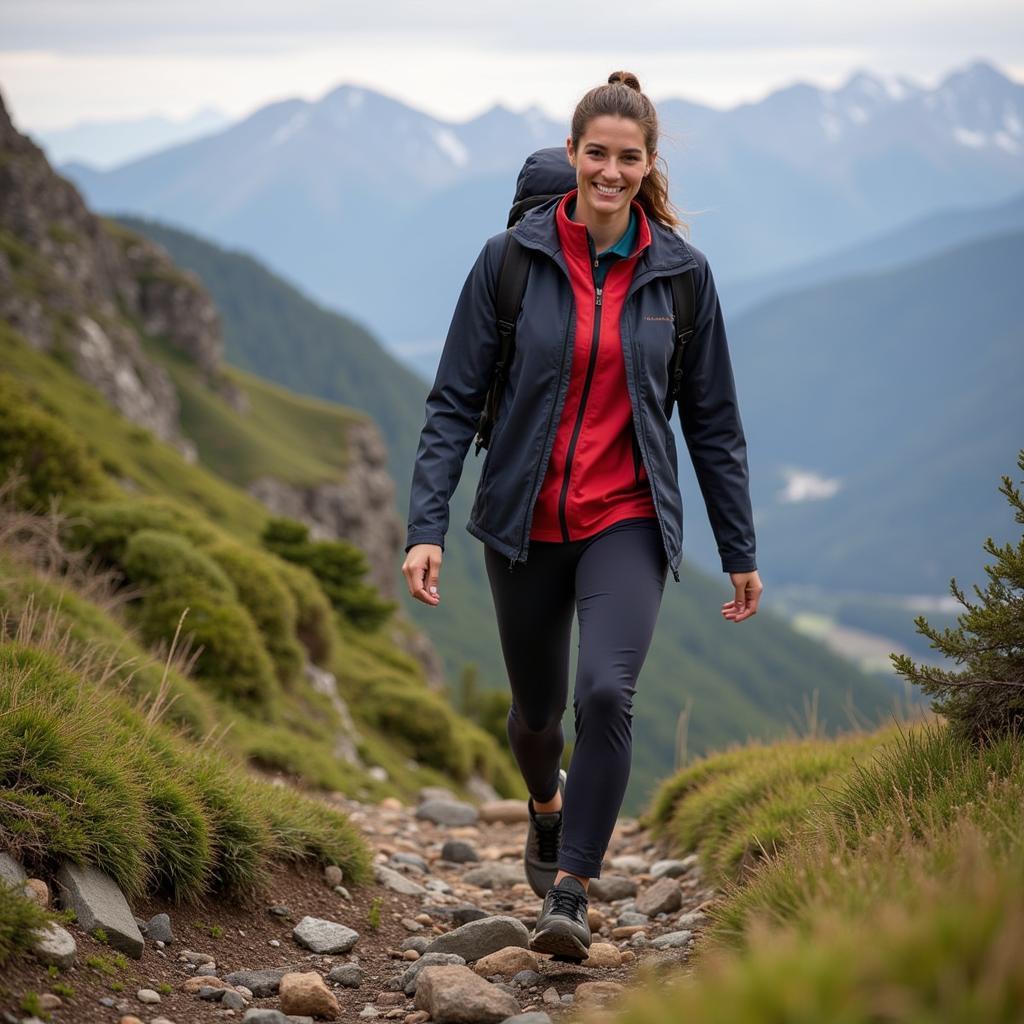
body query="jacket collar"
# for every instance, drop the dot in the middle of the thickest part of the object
(667, 253)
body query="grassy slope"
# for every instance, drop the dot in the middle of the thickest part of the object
(751, 681)
(894, 889)
(155, 469)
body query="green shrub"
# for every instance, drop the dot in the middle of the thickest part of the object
(233, 663)
(169, 562)
(269, 602)
(53, 461)
(420, 721)
(314, 615)
(984, 701)
(105, 527)
(338, 565)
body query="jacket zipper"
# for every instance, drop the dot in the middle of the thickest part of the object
(591, 363)
(547, 432)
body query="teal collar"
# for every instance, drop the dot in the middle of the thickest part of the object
(624, 246)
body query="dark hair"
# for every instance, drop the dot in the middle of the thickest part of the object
(622, 97)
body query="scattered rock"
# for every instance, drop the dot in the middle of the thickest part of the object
(398, 882)
(509, 812)
(603, 954)
(448, 812)
(478, 938)
(194, 985)
(334, 875)
(11, 872)
(158, 929)
(193, 957)
(458, 851)
(307, 994)
(455, 995)
(495, 875)
(463, 913)
(663, 897)
(147, 995)
(508, 961)
(533, 1017)
(260, 983)
(50, 1002)
(322, 936)
(257, 1015)
(609, 888)
(349, 975)
(630, 862)
(99, 903)
(527, 978)
(672, 868)
(632, 917)
(411, 859)
(435, 793)
(55, 945)
(691, 920)
(232, 1001)
(671, 940)
(594, 993)
(280, 910)
(407, 981)
(38, 891)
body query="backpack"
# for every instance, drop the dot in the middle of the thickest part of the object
(546, 175)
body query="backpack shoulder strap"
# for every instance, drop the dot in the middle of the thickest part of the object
(515, 265)
(508, 299)
(684, 306)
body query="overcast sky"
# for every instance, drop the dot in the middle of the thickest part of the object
(64, 61)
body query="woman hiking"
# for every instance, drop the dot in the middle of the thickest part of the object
(578, 504)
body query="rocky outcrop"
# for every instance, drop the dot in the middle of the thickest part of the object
(359, 509)
(76, 285)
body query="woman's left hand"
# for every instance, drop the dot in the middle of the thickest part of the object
(748, 593)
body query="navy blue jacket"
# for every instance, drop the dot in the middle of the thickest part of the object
(525, 426)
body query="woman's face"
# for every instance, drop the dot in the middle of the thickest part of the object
(611, 162)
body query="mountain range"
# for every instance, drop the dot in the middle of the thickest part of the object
(378, 209)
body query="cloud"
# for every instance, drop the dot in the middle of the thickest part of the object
(803, 485)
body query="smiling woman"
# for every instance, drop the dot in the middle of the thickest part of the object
(579, 492)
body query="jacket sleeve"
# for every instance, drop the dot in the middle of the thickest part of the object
(713, 431)
(454, 403)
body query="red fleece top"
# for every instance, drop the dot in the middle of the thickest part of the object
(599, 474)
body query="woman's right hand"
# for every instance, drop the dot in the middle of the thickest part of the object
(422, 567)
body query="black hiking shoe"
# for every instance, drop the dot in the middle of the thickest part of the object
(540, 856)
(562, 928)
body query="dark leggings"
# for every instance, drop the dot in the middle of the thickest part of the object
(615, 581)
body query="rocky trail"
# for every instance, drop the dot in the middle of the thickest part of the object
(441, 935)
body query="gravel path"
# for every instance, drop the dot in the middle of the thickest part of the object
(259, 935)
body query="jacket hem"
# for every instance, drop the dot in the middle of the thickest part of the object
(491, 541)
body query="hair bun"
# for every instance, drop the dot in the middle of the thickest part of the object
(625, 78)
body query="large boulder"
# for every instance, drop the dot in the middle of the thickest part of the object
(99, 903)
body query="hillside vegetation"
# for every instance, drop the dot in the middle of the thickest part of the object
(874, 877)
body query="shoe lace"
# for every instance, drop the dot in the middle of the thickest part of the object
(566, 901)
(547, 840)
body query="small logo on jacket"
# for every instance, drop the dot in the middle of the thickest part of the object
(668, 319)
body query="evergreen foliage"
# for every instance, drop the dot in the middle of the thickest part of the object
(985, 700)
(338, 565)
